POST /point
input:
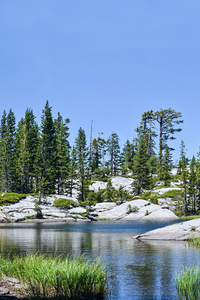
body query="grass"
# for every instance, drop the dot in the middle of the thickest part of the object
(55, 277)
(194, 241)
(188, 284)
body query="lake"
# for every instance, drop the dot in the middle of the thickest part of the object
(136, 269)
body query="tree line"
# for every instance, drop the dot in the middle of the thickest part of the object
(40, 159)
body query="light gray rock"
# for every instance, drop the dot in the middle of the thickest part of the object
(161, 214)
(104, 206)
(16, 216)
(119, 211)
(174, 171)
(178, 232)
(77, 210)
(126, 183)
(96, 185)
(53, 213)
(165, 190)
(3, 218)
(147, 212)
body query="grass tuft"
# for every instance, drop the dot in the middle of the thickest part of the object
(188, 284)
(55, 277)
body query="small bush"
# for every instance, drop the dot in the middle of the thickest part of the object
(64, 203)
(130, 209)
(11, 198)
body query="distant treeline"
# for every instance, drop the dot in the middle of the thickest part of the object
(39, 159)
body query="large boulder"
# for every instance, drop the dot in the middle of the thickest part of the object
(178, 232)
(126, 183)
(120, 211)
(96, 185)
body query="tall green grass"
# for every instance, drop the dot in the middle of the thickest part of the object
(188, 284)
(55, 277)
(194, 241)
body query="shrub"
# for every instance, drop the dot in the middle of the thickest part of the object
(11, 198)
(131, 209)
(64, 203)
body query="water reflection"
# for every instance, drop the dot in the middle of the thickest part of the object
(139, 270)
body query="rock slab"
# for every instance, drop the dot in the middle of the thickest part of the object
(176, 232)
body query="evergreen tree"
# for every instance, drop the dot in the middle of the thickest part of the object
(198, 180)
(27, 143)
(147, 128)
(127, 157)
(3, 153)
(167, 119)
(182, 158)
(63, 152)
(164, 173)
(141, 172)
(48, 148)
(113, 150)
(192, 184)
(81, 153)
(7, 152)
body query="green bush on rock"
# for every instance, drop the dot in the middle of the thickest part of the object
(11, 198)
(64, 203)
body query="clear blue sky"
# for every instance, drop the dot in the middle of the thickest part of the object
(102, 60)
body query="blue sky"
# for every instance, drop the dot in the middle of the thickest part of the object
(100, 60)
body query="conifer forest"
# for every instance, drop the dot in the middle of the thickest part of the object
(39, 158)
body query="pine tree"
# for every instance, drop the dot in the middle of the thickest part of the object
(4, 153)
(81, 153)
(182, 158)
(192, 184)
(7, 152)
(167, 119)
(164, 173)
(147, 128)
(113, 150)
(27, 143)
(63, 152)
(48, 148)
(141, 172)
(127, 157)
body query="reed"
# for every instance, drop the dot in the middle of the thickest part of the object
(55, 277)
(194, 241)
(188, 284)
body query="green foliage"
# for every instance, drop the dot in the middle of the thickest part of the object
(188, 284)
(11, 198)
(194, 241)
(142, 178)
(57, 278)
(174, 194)
(64, 203)
(49, 151)
(113, 150)
(95, 197)
(38, 210)
(131, 209)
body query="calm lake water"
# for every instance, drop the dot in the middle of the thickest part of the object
(138, 270)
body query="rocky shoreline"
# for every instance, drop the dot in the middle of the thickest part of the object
(24, 211)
